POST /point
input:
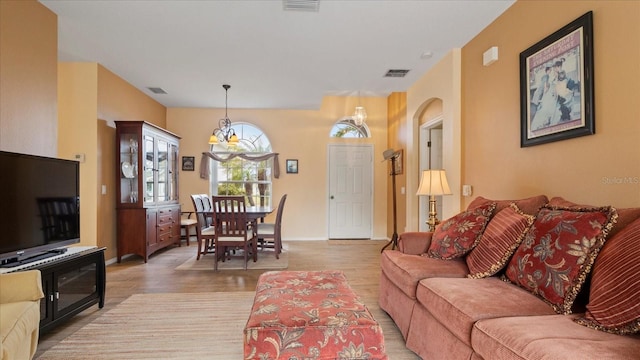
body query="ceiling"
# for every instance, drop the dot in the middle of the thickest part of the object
(272, 58)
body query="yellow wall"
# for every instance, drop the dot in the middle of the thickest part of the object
(294, 134)
(576, 169)
(28, 78)
(397, 116)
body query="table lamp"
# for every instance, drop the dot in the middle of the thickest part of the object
(433, 183)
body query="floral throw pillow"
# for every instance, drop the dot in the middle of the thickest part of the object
(460, 234)
(499, 241)
(558, 251)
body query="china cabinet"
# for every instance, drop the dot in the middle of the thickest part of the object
(148, 211)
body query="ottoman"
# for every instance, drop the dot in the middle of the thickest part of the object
(310, 315)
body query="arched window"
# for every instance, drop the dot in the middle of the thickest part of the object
(239, 176)
(346, 128)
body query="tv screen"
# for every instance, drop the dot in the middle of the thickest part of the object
(40, 208)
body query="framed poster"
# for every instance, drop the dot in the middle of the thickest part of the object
(188, 163)
(556, 85)
(292, 166)
(398, 162)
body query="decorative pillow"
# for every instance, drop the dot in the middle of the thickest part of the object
(558, 251)
(625, 216)
(458, 235)
(503, 235)
(529, 205)
(615, 285)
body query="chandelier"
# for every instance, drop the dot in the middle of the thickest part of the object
(360, 115)
(224, 132)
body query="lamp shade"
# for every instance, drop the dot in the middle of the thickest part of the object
(433, 182)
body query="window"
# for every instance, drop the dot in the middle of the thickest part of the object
(239, 176)
(346, 128)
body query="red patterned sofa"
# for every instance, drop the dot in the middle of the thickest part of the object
(523, 279)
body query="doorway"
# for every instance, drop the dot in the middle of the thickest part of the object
(350, 171)
(430, 158)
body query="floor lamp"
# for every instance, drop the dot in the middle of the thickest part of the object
(392, 155)
(433, 183)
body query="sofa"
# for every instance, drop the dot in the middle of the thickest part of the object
(20, 294)
(519, 279)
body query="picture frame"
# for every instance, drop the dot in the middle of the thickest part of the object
(556, 85)
(188, 163)
(398, 163)
(292, 166)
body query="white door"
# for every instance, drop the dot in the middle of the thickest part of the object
(350, 172)
(430, 158)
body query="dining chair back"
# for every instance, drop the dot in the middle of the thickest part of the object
(205, 232)
(270, 234)
(233, 230)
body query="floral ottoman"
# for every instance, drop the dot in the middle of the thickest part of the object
(310, 315)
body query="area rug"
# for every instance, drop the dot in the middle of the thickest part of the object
(181, 326)
(266, 261)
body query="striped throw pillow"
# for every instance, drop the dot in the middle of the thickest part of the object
(499, 241)
(614, 304)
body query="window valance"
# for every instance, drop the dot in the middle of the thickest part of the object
(204, 162)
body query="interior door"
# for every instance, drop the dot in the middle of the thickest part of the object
(350, 191)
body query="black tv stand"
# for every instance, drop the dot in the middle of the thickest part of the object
(72, 282)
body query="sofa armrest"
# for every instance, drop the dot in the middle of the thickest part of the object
(414, 243)
(21, 286)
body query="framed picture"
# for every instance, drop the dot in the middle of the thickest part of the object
(556, 85)
(292, 166)
(398, 163)
(188, 163)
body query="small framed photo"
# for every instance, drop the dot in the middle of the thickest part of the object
(398, 163)
(292, 166)
(188, 163)
(556, 85)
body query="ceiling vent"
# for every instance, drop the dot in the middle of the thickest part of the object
(301, 5)
(396, 73)
(157, 90)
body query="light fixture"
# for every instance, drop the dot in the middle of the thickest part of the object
(433, 183)
(224, 132)
(360, 115)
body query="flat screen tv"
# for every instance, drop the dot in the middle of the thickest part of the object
(39, 206)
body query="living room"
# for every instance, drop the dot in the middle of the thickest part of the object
(481, 127)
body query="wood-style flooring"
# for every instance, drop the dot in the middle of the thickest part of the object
(359, 259)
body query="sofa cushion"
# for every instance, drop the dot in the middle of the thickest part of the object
(458, 303)
(615, 285)
(558, 251)
(530, 205)
(405, 271)
(499, 241)
(456, 236)
(548, 337)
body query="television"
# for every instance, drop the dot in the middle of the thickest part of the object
(39, 207)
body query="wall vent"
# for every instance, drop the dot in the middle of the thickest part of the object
(396, 73)
(301, 5)
(157, 90)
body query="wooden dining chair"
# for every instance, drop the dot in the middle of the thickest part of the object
(205, 232)
(233, 230)
(270, 234)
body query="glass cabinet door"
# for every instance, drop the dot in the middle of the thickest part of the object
(163, 170)
(173, 172)
(149, 169)
(128, 168)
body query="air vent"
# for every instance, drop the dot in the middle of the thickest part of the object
(396, 73)
(157, 90)
(301, 5)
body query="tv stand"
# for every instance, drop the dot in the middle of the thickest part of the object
(72, 282)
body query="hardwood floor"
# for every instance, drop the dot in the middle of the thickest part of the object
(359, 259)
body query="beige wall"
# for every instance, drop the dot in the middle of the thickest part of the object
(576, 169)
(294, 134)
(397, 117)
(28, 78)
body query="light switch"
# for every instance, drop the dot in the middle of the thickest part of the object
(402, 190)
(466, 190)
(104, 189)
